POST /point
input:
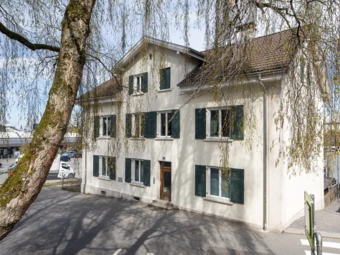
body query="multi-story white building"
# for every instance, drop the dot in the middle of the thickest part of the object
(160, 134)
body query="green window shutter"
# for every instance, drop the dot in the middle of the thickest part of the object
(162, 79)
(200, 180)
(96, 166)
(200, 123)
(237, 185)
(145, 83)
(128, 125)
(103, 166)
(167, 78)
(127, 170)
(96, 126)
(113, 125)
(131, 84)
(150, 124)
(175, 124)
(237, 130)
(112, 168)
(147, 173)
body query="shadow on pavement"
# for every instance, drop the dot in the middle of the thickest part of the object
(62, 222)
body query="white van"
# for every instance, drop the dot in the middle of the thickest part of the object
(66, 171)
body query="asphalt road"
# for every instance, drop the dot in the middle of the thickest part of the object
(63, 222)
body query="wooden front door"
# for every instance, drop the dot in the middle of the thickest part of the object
(165, 174)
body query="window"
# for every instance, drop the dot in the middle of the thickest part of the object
(105, 126)
(218, 183)
(104, 167)
(139, 170)
(138, 124)
(165, 126)
(138, 83)
(219, 122)
(165, 78)
(212, 182)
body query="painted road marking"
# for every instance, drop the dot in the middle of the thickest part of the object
(323, 253)
(117, 252)
(324, 244)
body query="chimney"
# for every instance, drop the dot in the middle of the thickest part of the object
(245, 31)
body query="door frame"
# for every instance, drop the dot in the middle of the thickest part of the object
(162, 170)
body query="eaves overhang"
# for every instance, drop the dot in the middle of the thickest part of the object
(160, 43)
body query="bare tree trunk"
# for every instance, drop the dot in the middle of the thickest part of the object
(20, 190)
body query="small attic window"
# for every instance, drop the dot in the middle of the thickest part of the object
(150, 56)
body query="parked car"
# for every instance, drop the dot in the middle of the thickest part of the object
(65, 171)
(69, 154)
(78, 155)
(18, 158)
(64, 157)
(11, 168)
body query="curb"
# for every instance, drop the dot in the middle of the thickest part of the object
(299, 231)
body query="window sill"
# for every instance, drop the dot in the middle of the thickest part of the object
(104, 137)
(104, 178)
(217, 139)
(163, 90)
(137, 138)
(218, 200)
(164, 139)
(136, 94)
(137, 184)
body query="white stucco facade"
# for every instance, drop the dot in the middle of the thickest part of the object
(284, 192)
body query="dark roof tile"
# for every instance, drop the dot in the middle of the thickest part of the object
(267, 53)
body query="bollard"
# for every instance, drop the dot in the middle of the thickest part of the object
(318, 241)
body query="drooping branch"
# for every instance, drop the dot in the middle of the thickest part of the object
(24, 41)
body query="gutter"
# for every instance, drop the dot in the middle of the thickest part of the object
(254, 78)
(264, 153)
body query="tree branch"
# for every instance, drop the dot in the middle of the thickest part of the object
(23, 40)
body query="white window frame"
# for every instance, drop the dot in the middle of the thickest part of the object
(140, 169)
(208, 190)
(137, 84)
(159, 124)
(138, 116)
(100, 167)
(106, 133)
(208, 127)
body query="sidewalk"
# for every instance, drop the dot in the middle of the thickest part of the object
(327, 222)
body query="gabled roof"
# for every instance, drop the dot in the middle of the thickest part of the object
(146, 40)
(263, 54)
(105, 90)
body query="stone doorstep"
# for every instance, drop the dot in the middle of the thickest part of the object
(163, 204)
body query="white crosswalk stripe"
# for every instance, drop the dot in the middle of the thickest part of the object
(332, 245)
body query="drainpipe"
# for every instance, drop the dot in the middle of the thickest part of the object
(264, 153)
(85, 169)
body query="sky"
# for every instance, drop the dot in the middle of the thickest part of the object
(196, 41)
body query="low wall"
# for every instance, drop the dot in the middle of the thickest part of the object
(331, 196)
